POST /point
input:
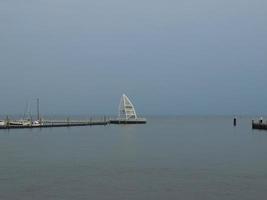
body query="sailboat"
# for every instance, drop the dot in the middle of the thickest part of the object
(127, 114)
(2, 123)
(26, 120)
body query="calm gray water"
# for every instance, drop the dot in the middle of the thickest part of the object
(182, 158)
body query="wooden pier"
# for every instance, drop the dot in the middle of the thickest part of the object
(127, 115)
(57, 123)
(128, 121)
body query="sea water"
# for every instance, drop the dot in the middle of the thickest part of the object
(168, 158)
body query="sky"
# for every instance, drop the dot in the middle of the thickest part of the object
(171, 57)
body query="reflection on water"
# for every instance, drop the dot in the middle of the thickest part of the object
(174, 158)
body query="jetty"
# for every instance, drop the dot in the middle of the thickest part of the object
(54, 123)
(45, 123)
(127, 115)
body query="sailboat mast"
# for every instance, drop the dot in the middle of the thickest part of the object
(38, 112)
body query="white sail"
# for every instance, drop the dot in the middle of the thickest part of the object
(126, 109)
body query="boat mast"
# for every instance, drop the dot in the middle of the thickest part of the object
(38, 113)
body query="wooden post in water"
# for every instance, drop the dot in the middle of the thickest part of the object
(234, 122)
(68, 121)
(7, 121)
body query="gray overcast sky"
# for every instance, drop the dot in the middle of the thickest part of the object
(170, 57)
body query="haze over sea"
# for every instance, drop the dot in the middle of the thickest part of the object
(169, 158)
(173, 57)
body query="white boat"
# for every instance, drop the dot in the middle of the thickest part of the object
(2, 123)
(36, 123)
(20, 123)
(127, 113)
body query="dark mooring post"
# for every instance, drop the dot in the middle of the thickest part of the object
(234, 122)
(7, 121)
(38, 111)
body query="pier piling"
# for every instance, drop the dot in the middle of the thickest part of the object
(234, 121)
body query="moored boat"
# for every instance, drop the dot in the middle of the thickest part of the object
(20, 123)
